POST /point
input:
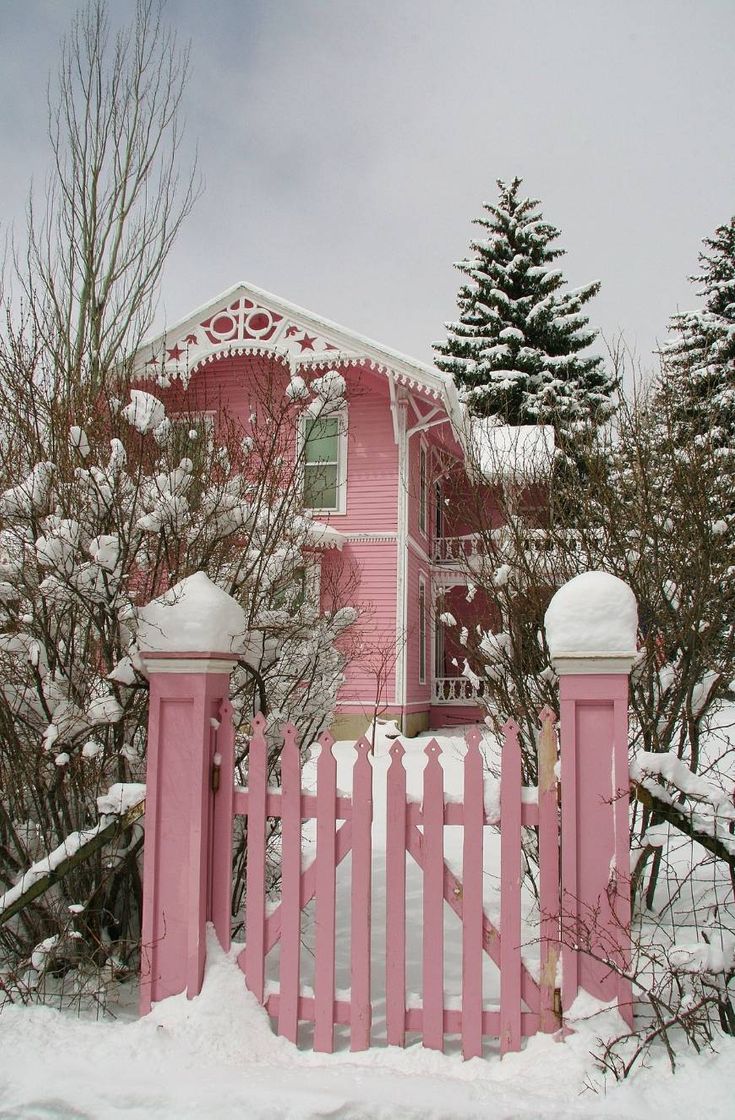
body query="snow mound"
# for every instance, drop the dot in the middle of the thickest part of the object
(592, 613)
(191, 617)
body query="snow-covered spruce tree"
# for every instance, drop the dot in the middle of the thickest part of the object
(698, 367)
(516, 350)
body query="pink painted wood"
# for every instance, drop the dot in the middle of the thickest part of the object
(178, 822)
(395, 902)
(360, 904)
(510, 901)
(595, 859)
(288, 1018)
(326, 864)
(223, 787)
(472, 901)
(548, 837)
(255, 950)
(433, 907)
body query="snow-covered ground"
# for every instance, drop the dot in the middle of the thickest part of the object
(216, 1056)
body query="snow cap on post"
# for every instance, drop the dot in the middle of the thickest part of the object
(193, 616)
(591, 625)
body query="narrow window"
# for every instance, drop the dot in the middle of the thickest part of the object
(422, 631)
(422, 490)
(439, 649)
(438, 511)
(321, 463)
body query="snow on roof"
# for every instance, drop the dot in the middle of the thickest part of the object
(503, 450)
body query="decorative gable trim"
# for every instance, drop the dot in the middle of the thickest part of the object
(246, 320)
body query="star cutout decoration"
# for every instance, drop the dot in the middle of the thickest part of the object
(175, 353)
(306, 343)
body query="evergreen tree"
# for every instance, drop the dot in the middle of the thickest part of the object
(699, 362)
(515, 349)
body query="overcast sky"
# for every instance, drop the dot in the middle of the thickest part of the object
(346, 146)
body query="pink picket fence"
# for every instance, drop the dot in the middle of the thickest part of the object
(415, 831)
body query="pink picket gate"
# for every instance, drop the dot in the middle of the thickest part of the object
(193, 806)
(343, 825)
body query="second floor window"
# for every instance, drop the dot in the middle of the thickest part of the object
(422, 489)
(324, 463)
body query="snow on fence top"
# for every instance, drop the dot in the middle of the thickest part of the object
(592, 613)
(193, 616)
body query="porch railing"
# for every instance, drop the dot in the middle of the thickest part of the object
(457, 690)
(536, 543)
(456, 549)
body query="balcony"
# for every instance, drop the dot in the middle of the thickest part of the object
(537, 545)
(457, 550)
(456, 690)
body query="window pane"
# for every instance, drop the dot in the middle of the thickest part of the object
(322, 439)
(320, 486)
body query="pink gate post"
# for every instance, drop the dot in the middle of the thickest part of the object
(591, 628)
(189, 782)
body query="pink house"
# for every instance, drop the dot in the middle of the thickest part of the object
(374, 473)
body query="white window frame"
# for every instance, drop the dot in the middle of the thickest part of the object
(318, 412)
(422, 621)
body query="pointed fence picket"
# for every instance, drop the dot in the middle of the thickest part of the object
(344, 826)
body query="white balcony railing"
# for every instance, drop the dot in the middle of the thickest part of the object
(537, 544)
(457, 690)
(448, 550)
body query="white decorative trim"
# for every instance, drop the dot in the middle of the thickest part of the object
(204, 663)
(389, 536)
(592, 663)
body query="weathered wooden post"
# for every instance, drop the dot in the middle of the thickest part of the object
(591, 628)
(188, 641)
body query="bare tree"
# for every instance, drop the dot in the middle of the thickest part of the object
(631, 499)
(116, 195)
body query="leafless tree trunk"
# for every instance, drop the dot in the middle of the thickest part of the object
(115, 199)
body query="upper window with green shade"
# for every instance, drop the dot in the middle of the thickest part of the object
(322, 463)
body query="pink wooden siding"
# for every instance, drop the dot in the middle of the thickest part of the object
(373, 638)
(237, 385)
